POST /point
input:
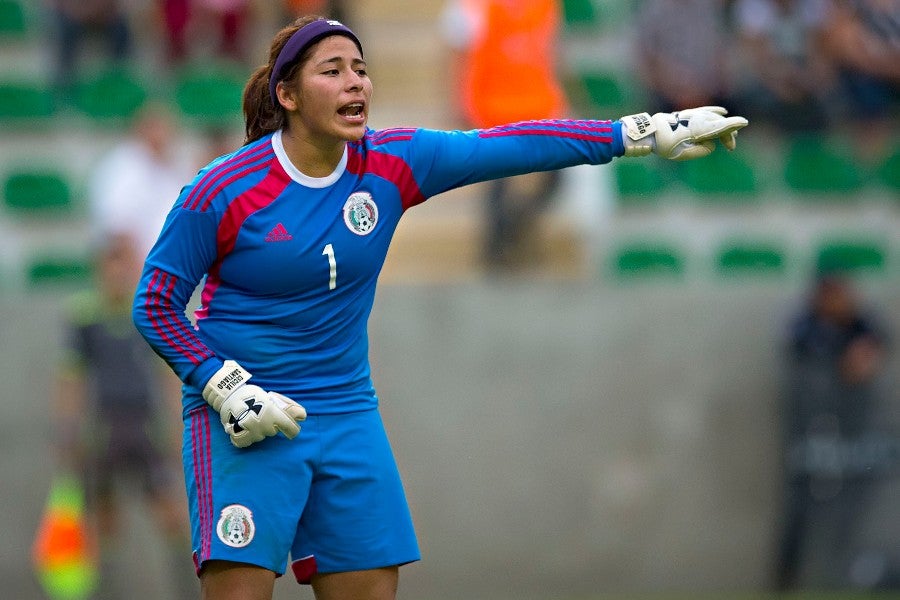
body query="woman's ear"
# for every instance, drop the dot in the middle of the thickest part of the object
(285, 96)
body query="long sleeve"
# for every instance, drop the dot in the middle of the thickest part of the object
(446, 160)
(178, 261)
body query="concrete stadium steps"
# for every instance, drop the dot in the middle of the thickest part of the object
(406, 58)
(449, 250)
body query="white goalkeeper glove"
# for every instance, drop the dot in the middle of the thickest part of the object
(681, 135)
(248, 412)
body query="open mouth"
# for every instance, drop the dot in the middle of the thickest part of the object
(353, 110)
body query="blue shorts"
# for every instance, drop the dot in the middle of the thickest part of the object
(331, 498)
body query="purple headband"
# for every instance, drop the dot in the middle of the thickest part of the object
(302, 39)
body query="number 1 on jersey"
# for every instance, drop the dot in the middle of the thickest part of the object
(332, 266)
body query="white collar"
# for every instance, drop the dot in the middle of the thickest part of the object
(294, 172)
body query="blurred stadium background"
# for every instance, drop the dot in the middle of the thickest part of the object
(604, 424)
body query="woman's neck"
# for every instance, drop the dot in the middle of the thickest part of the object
(311, 159)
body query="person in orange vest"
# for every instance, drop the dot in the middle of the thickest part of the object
(504, 63)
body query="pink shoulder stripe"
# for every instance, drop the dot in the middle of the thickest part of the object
(211, 183)
(252, 200)
(378, 136)
(390, 167)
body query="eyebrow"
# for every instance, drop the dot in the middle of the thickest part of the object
(337, 59)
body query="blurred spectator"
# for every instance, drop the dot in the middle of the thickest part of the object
(215, 142)
(117, 412)
(504, 67)
(788, 80)
(187, 21)
(333, 9)
(834, 451)
(680, 71)
(78, 21)
(863, 39)
(133, 187)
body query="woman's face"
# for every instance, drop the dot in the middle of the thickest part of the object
(332, 93)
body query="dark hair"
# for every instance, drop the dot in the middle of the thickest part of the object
(261, 115)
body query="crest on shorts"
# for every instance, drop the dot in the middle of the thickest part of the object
(236, 527)
(360, 213)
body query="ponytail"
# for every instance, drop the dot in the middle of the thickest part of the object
(262, 116)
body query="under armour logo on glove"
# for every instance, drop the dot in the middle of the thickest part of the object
(678, 123)
(249, 413)
(252, 407)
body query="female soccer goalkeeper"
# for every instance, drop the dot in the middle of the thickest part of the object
(290, 232)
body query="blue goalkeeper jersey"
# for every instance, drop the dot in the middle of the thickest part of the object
(291, 262)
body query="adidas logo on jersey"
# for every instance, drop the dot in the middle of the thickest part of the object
(279, 234)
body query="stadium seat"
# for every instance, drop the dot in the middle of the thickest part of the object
(851, 256)
(58, 268)
(638, 182)
(725, 176)
(594, 16)
(25, 102)
(111, 94)
(211, 95)
(647, 259)
(750, 258)
(37, 193)
(13, 22)
(607, 94)
(889, 171)
(579, 13)
(815, 165)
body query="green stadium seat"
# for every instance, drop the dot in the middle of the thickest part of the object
(851, 256)
(24, 102)
(606, 93)
(647, 259)
(815, 165)
(728, 176)
(579, 13)
(111, 94)
(750, 258)
(37, 193)
(13, 22)
(594, 16)
(58, 268)
(888, 171)
(211, 95)
(638, 182)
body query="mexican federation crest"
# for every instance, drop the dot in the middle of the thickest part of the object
(360, 213)
(236, 527)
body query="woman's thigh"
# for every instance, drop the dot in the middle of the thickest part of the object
(225, 580)
(371, 584)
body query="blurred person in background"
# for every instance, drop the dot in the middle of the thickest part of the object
(504, 61)
(188, 21)
(787, 79)
(679, 70)
(335, 9)
(130, 190)
(114, 427)
(290, 233)
(863, 39)
(834, 450)
(76, 22)
(216, 141)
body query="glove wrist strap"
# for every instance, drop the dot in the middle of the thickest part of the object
(227, 379)
(638, 130)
